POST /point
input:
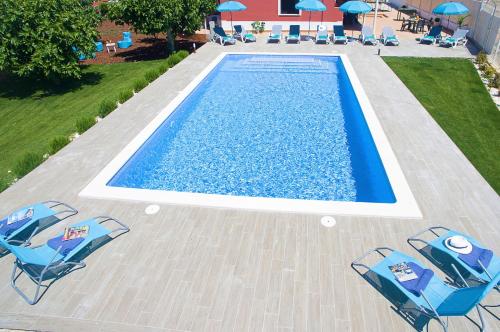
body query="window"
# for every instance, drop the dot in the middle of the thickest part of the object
(287, 7)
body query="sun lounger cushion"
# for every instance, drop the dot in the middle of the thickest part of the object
(475, 256)
(423, 277)
(66, 246)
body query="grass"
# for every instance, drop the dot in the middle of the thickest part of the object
(452, 92)
(33, 113)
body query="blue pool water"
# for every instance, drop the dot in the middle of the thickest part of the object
(265, 126)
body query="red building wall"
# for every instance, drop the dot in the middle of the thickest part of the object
(267, 10)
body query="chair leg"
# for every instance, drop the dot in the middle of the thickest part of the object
(482, 328)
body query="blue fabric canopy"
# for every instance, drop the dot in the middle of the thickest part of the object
(450, 9)
(311, 5)
(355, 7)
(231, 6)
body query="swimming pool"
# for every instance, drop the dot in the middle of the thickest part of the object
(290, 132)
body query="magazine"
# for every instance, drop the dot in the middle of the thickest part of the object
(403, 272)
(20, 215)
(75, 232)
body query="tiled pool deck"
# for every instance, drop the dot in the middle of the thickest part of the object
(200, 269)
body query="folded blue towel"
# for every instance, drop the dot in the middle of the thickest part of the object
(423, 277)
(6, 230)
(66, 246)
(477, 254)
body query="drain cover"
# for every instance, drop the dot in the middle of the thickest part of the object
(328, 221)
(152, 209)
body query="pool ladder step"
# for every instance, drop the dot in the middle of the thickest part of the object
(282, 65)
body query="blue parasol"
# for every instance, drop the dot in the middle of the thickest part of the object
(231, 6)
(311, 6)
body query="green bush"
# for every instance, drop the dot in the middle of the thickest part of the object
(105, 107)
(3, 184)
(496, 81)
(151, 75)
(183, 54)
(28, 162)
(174, 59)
(58, 143)
(125, 95)
(163, 68)
(481, 58)
(140, 84)
(489, 72)
(83, 124)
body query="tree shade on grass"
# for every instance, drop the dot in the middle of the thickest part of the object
(33, 113)
(452, 92)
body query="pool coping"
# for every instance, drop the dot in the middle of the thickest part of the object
(404, 207)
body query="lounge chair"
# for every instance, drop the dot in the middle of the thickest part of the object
(243, 34)
(433, 36)
(222, 38)
(459, 38)
(58, 257)
(31, 220)
(126, 42)
(427, 296)
(389, 37)
(367, 36)
(338, 34)
(479, 266)
(293, 34)
(212, 36)
(321, 35)
(276, 34)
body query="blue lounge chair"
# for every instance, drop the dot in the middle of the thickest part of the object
(427, 296)
(338, 34)
(56, 258)
(31, 220)
(470, 269)
(241, 33)
(367, 36)
(322, 35)
(433, 36)
(459, 38)
(389, 37)
(293, 34)
(99, 46)
(276, 34)
(126, 42)
(222, 38)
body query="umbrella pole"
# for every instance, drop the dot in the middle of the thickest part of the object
(232, 30)
(309, 32)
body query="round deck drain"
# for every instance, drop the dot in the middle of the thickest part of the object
(152, 209)
(328, 221)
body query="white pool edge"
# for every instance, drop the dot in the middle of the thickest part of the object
(405, 206)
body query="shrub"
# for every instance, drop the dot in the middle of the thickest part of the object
(163, 67)
(489, 71)
(58, 143)
(183, 54)
(83, 124)
(173, 59)
(151, 75)
(496, 81)
(140, 84)
(28, 162)
(105, 107)
(125, 95)
(3, 184)
(481, 58)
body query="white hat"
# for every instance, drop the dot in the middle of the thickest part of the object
(458, 244)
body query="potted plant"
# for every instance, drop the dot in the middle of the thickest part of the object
(461, 20)
(258, 26)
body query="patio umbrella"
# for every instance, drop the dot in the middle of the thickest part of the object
(311, 6)
(356, 7)
(450, 9)
(231, 6)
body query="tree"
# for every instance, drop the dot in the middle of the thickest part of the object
(171, 17)
(44, 38)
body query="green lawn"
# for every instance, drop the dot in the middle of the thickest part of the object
(452, 92)
(32, 114)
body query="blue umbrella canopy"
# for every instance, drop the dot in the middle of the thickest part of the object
(355, 7)
(311, 5)
(231, 6)
(450, 9)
